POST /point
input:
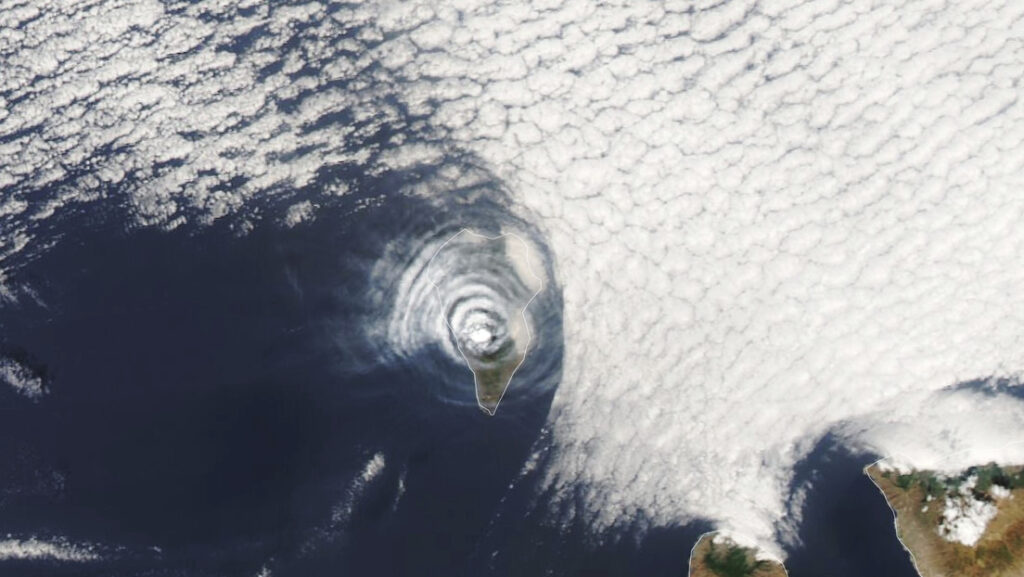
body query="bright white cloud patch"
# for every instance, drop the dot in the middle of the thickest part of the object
(998, 492)
(964, 516)
(43, 549)
(21, 378)
(298, 213)
(770, 220)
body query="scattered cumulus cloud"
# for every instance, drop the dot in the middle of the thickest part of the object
(299, 212)
(33, 548)
(24, 380)
(964, 516)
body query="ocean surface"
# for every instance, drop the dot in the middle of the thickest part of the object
(847, 527)
(215, 406)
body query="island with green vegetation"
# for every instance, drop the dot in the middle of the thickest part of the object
(717, 556)
(962, 525)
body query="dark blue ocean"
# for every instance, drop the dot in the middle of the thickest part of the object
(214, 402)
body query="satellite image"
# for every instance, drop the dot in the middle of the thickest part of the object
(696, 288)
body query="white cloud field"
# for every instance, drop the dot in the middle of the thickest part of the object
(769, 220)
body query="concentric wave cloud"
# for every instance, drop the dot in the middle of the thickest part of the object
(459, 299)
(770, 220)
(484, 286)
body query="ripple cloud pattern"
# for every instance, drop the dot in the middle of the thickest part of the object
(485, 285)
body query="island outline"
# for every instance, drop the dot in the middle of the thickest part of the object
(522, 312)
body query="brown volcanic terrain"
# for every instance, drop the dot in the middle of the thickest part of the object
(999, 552)
(715, 556)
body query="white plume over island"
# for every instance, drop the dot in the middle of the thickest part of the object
(485, 285)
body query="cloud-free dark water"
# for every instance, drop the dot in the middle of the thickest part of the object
(847, 528)
(214, 402)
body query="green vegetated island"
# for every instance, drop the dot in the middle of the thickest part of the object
(966, 525)
(717, 556)
(969, 524)
(492, 373)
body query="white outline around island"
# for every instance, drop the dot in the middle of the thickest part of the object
(895, 516)
(526, 323)
(711, 535)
